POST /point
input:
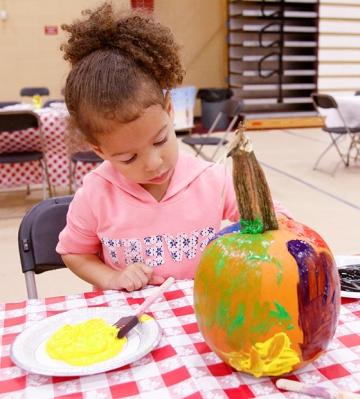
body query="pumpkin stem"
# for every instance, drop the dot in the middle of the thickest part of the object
(251, 189)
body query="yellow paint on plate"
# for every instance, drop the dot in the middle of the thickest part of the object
(85, 343)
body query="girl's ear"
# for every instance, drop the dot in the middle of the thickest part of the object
(169, 105)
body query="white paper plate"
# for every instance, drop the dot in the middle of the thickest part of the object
(343, 260)
(28, 349)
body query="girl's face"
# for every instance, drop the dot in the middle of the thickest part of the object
(145, 150)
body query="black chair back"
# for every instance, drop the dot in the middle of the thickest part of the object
(324, 100)
(38, 236)
(86, 156)
(11, 121)
(33, 91)
(39, 233)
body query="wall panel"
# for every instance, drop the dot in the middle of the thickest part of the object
(339, 45)
(28, 57)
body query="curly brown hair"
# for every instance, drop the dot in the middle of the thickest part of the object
(121, 63)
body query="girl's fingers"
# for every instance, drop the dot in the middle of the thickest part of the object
(140, 275)
(147, 270)
(129, 284)
(138, 280)
(156, 280)
(143, 278)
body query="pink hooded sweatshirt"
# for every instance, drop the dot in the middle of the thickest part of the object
(122, 223)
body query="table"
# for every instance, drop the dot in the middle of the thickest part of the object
(53, 125)
(349, 106)
(182, 366)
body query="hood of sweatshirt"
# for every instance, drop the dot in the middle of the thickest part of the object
(187, 169)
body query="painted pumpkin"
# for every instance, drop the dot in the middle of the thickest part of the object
(266, 292)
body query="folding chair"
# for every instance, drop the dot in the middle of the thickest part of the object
(37, 239)
(327, 102)
(88, 157)
(232, 110)
(34, 91)
(14, 121)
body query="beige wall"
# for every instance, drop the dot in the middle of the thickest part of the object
(28, 57)
(200, 27)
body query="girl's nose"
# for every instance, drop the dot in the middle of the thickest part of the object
(153, 161)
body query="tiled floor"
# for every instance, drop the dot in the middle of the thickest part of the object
(329, 204)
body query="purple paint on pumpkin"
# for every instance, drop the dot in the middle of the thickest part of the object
(301, 251)
(316, 292)
(324, 265)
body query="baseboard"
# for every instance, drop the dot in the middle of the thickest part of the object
(283, 123)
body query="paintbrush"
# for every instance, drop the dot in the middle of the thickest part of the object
(125, 324)
(311, 390)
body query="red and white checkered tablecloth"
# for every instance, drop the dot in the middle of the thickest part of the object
(53, 122)
(182, 366)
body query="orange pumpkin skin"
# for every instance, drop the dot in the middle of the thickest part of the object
(267, 304)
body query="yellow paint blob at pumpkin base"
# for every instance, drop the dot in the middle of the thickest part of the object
(85, 343)
(272, 357)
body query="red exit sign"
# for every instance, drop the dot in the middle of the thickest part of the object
(50, 30)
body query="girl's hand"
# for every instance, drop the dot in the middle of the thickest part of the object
(134, 277)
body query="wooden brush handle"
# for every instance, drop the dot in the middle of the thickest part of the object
(149, 300)
(313, 390)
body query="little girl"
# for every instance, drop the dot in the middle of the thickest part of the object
(148, 211)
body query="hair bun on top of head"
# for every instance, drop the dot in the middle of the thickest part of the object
(132, 33)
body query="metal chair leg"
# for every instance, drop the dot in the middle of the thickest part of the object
(30, 285)
(333, 143)
(227, 132)
(46, 178)
(71, 175)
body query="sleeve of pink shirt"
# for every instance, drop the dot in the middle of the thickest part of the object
(79, 235)
(231, 211)
(230, 205)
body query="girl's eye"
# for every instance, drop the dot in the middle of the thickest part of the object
(161, 142)
(130, 159)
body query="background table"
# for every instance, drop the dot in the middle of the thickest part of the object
(54, 128)
(182, 366)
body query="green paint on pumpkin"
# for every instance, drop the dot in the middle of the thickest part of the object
(222, 312)
(290, 327)
(264, 258)
(251, 226)
(245, 253)
(280, 313)
(280, 274)
(262, 314)
(239, 319)
(219, 265)
(269, 318)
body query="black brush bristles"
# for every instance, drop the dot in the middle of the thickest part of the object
(125, 324)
